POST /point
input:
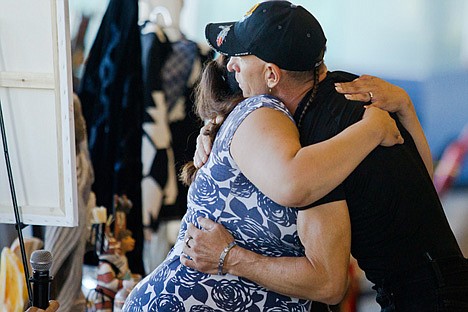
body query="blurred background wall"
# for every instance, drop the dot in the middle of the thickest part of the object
(421, 45)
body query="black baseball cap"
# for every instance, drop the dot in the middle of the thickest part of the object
(277, 32)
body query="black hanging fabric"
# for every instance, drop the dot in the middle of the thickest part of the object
(156, 47)
(111, 95)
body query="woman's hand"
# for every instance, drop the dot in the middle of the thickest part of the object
(378, 92)
(391, 98)
(203, 148)
(382, 121)
(205, 142)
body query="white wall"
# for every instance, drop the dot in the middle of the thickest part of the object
(399, 38)
(421, 43)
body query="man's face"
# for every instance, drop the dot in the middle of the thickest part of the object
(250, 74)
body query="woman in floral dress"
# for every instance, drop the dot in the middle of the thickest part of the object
(222, 193)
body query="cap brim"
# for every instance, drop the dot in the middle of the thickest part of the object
(222, 38)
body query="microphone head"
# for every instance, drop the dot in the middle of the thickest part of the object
(41, 260)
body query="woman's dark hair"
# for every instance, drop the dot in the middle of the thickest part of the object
(217, 94)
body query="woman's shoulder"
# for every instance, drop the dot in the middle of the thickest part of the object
(263, 100)
(244, 109)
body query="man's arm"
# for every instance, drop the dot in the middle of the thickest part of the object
(391, 98)
(321, 275)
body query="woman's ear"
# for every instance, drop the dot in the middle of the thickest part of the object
(272, 75)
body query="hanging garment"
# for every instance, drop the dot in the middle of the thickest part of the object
(170, 127)
(167, 68)
(170, 130)
(111, 95)
(180, 72)
(156, 143)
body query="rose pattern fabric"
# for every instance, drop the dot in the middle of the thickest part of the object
(222, 193)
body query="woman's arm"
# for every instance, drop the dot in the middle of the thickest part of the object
(322, 275)
(266, 148)
(393, 99)
(410, 121)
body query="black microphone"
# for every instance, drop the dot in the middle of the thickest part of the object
(41, 261)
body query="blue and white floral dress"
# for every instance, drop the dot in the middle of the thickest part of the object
(222, 193)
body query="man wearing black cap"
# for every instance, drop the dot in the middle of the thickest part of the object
(400, 235)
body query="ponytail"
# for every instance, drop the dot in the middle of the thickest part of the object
(214, 98)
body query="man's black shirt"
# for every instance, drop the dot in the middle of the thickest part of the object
(396, 216)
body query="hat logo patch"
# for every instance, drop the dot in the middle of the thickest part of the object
(222, 34)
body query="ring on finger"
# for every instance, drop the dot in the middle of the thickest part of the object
(187, 240)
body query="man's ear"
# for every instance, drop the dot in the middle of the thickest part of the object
(272, 75)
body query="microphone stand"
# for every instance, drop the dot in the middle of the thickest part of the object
(19, 224)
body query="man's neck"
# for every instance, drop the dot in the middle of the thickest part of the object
(292, 95)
